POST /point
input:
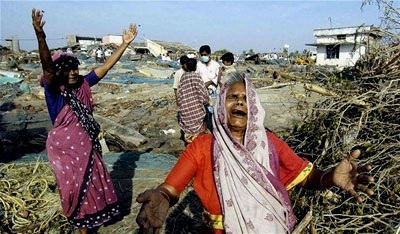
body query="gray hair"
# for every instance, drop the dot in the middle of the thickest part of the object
(236, 77)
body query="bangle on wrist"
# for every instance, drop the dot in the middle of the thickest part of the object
(164, 194)
(171, 199)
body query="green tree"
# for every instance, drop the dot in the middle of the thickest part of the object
(221, 52)
(251, 52)
(285, 52)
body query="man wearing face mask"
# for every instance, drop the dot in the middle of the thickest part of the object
(208, 70)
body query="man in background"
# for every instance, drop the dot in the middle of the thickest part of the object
(178, 74)
(192, 98)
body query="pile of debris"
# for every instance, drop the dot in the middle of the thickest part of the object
(29, 200)
(363, 111)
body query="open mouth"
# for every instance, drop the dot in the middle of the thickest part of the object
(239, 113)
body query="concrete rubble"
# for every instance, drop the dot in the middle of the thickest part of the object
(134, 103)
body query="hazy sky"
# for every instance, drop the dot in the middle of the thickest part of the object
(263, 26)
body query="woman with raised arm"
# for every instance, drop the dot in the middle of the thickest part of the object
(241, 173)
(87, 194)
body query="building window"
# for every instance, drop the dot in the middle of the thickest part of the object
(332, 51)
(341, 37)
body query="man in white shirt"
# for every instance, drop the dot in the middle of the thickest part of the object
(178, 74)
(99, 56)
(208, 68)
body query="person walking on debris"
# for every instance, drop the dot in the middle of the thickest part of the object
(226, 68)
(192, 98)
(178, 74)
(99, 55)
(87, 194)
(208, 70)
(242, 174)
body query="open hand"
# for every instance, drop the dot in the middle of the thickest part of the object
(347, 176)
(153, 212)
(37, 22)
(130, 35)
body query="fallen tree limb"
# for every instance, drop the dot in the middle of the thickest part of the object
(304, 222)
(279, 85)
(319, 90)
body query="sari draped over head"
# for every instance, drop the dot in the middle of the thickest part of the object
(61, 61)
(87, 194)
(252, 198)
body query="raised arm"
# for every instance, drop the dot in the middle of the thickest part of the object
(45, 57)
(127, 38)
(345, 176)
(220, 71)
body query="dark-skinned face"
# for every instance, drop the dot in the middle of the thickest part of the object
(236, 107)
(71, 76)
(204, 54)
(226, 63)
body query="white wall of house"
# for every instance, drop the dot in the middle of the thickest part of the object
(107, 39)
(155, 49)
(347, 57)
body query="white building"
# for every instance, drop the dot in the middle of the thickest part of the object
(82, 40)
(116, 39)
(270, 56)
(163, 48)
(342, 47)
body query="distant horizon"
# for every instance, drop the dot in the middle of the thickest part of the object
(264, 26)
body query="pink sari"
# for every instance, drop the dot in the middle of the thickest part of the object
(87, 194)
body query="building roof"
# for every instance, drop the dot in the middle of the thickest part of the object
(332, 43)
(174, 46)
(344, 35)
(343, 30)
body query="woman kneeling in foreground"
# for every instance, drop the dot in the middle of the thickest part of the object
(242, 174)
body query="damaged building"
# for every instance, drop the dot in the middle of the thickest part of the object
(342, 47)
(162, 48)
(83, 40)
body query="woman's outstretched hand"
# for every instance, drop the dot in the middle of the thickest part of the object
(37, 22)
(130, 35)
(349, 178)
(153, 212)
